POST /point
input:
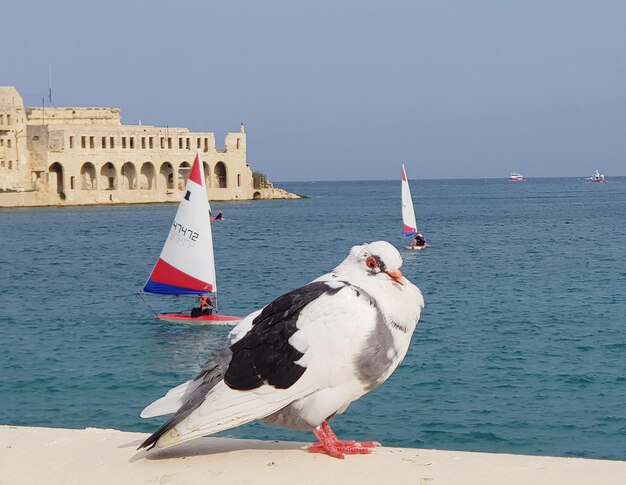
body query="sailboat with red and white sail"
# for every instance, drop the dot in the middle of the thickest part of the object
(186, 266)
(408, 216)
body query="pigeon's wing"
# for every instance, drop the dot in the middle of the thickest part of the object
(262, 361)
(264, 355)
(222, 408)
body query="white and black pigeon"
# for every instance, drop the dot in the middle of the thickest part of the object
(302, 359)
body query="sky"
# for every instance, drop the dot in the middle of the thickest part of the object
(346, 89)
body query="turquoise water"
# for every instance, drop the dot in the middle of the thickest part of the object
(521, 347)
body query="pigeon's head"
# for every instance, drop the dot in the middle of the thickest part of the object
(379, 259)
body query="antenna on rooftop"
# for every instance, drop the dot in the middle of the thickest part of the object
(50, 84)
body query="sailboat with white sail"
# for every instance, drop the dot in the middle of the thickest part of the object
(408, 217)
(186, 266)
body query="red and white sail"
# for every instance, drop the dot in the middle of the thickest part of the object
(408, 213)
(186, 265)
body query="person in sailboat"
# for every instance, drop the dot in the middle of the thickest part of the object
(418, 241)
(218, 217)
(205, 307)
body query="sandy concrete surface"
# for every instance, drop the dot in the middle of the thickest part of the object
(103, 456)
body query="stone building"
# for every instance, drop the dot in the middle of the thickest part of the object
(74, 156)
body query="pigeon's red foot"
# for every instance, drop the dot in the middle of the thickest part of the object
(331, 445)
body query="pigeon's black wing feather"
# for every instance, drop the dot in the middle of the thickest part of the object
(264, 355)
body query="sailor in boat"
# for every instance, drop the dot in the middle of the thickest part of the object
(218, 217)
(205, 307)
(418, 241)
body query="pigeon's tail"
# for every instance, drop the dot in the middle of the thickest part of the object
(223, 408)
(171, 402)
(189, 395)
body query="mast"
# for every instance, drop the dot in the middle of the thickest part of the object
(49, 84)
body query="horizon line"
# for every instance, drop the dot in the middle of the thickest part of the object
(584, 177)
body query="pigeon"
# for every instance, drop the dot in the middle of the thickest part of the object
(302, 359)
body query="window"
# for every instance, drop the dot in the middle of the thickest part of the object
(8, 119)
(123, 142)
(131, 139)
(162, 143)
(92, 142)
(1, 142)
(8, 143)
(188, 144)
(35, 138)
(143, 142)
(112, 142)
(104, 142)
(237, 143)
(83, 142)
(1, 119)
(238, 176)
(198, 143)
(180, 143)
(71, 142)
(10, 164)
(151, 142)
(72, 178)
(206, 144)
(169, 143)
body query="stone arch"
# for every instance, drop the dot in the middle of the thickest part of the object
(108, 176)
(88, 179)
(257, 195)
(57, 169)
(166, 175)
(148, 177)
(183, 175)
(220, 175)
(207, 176)
(129, 176)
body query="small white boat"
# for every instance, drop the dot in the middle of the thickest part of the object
(516, 177)
(186, 265)
(597, 177)
(408, 216)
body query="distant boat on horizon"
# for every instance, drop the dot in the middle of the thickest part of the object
(516, 177)
(597, 177)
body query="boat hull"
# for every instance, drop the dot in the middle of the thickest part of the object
(201, 320)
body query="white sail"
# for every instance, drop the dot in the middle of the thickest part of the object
(408, 214)
(186, 264)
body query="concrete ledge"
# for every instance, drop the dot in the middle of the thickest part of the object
(105, 456)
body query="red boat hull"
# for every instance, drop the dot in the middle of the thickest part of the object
(418, 248)
(202, 319)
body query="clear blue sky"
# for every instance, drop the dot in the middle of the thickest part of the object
(346, 90)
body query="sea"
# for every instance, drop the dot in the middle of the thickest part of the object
(521, 347)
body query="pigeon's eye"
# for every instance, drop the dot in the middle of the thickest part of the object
(371, 262)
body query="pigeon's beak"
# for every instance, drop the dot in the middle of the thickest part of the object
(395, 275)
